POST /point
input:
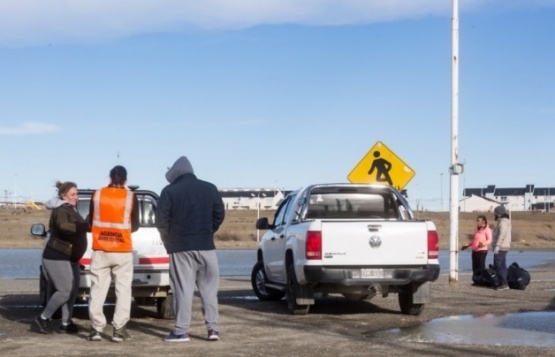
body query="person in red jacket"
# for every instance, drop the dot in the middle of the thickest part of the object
(480, 243)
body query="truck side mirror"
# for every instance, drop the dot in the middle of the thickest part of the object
(38, 230)
(262, 223)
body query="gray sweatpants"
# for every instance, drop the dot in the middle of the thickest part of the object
(186, 269)
(64, 276)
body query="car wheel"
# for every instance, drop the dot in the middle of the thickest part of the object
(43, 288)
(258, 281)
(164, 307)
(292, 288)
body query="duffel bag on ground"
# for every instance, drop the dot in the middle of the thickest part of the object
(486, 277)
(517, 277)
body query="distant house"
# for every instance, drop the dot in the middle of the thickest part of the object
(514, 198)
(476, 203)
(261, 198)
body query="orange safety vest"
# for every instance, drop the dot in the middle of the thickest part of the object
(111, 221)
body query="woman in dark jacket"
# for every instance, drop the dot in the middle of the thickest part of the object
(61, 255)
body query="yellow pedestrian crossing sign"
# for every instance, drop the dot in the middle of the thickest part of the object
(381, 165)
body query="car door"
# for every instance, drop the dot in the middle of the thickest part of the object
(274, 254)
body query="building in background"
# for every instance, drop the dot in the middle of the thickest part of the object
(260, 198)
(526, 198)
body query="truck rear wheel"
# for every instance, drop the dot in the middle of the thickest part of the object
(408, 307)
(292, 289)
(258, 281)
(43, 288)
(164, 307)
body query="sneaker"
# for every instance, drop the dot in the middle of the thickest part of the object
(172, 337)
(502, 287)
(70, 328)
(120, 335)
(213, 335)
(44, 325)
(94, 336)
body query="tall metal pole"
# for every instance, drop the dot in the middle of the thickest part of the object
(441, 186)
(454, 199)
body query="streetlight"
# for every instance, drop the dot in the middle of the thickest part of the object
(260, 194)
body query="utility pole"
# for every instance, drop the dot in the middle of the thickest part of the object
(455, 168)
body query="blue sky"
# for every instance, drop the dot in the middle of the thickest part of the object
(273, 94)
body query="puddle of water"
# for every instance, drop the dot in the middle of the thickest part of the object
(520, 329)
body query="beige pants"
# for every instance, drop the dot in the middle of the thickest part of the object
(104, 265)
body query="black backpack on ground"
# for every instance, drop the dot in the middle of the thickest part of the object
(517, 277)
(486, 277)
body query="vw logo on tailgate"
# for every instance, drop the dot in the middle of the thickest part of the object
(375, 241)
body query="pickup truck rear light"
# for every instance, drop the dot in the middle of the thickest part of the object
(433, 245)
(314, 245)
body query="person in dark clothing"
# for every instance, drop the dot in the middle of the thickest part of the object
(189, 212)
(60, 259)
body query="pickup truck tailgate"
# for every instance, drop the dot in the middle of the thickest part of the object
(374, 243)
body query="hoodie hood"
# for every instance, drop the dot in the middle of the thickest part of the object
(181, 167)
(54, 203)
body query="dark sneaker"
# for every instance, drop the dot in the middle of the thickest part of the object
(70, 328)
(44, 325)
(120, 335)
(94, 336)
(172, 337)
(502, 287)
(213, 335)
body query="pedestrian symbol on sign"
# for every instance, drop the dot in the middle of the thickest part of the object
(381, 165)
(382, 168)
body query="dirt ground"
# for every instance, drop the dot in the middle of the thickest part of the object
(248, 327)
(334, 327)
(531, 230)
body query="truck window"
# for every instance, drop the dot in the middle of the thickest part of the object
(351, 205)
(282, 212)
(147, 211)
(83, 207)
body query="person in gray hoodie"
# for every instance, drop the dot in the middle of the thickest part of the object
(501, 244)
(189, 212)
(61, 255)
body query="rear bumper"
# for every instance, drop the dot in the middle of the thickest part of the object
(350, 276)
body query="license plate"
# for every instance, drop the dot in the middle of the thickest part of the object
(372, 274)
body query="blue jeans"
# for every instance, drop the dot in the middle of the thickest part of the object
(500, 266)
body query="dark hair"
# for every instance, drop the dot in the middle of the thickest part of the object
(63, 187)
(483, 218)
(118, 175)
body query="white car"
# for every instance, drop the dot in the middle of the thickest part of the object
(151, 282)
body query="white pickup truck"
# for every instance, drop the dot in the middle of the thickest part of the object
(151, 283)
(357, 240)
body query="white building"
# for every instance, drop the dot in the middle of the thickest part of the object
(515, 199)
(261, 198)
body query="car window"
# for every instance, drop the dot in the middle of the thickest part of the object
(83, 206)
(279, 218)
(147, 211)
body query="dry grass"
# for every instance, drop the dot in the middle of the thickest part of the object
(531, 230)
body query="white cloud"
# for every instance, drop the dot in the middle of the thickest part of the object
(32, 22)
(29, 128)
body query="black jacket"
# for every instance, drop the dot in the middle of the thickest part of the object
(67, 224)
(189, 212)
